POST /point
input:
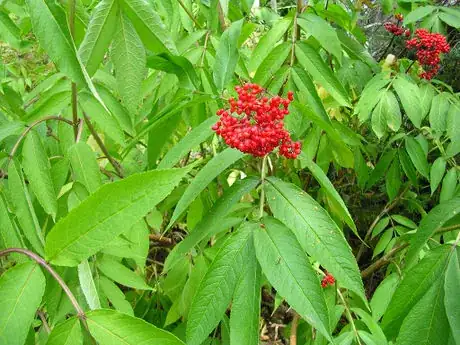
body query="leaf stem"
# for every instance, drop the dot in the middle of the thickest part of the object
(293, 335)
(100, 143)
(263, 174)
(190, 14)
(72, 10)
(388, 47)
(349, 316)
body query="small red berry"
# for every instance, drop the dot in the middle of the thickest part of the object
(328, 280)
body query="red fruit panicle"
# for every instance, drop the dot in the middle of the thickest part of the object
(429, 48)
(328, 280)
(394, 28)
(254, 124)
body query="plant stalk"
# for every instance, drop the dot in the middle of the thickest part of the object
(263, 174)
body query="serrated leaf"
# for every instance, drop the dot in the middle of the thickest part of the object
(404, 221)
(393, 180)
(244, 317)
(213, 219)
(449, 184)
(413, 287)
(316, 232)
(99, 34)
(267, 42)
(409, 95)
(121, 274)
(436, 173)
(149, 26)
(227, 55)
(187, 143)
(84, 231)
(438, 113)
(368, 99)
(310, 60)
(115, 296)
(383, 295)
(451, 300)
(418, 14)
(85, 276)
(84, 166)
(325, 183)
(435, 219)
(23, 209)
(355, 50)
(417, 156)
(451, 18)
(287, 268)
(115, 328)
(427, 93)
(38, 170)
(383, 242)
(426, 322)
(66, 333)
(21, 288)
(380, 226)
(386, 114)
(453, 123)
(9, 235)
(214, 167)
(407, 166)
(216, 289)
(129, 60)
(322, 31)
(272, 63)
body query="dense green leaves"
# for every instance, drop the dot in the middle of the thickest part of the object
(408, 93)
(316, 232)
(66, 333)
(217, 287)
(451, 300)
(386, 114)
(286, 266)
(121, 274)
(417, 156)
(86, 228)
(84, 166)
(21, 291)
(112, 327)
(227, 55)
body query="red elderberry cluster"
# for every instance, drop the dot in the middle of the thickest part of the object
(395, 29)
(429, 48)
(328, 280)
(254, 123)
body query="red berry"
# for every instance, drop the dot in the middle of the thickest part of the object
(327, 280)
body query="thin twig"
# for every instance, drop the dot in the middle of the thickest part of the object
(349, 317)
(263, 173)
(190, 14)
(388, 47)
(220, 12)
(101, 145)
(42, 317)
(72, 11)
(293, 336)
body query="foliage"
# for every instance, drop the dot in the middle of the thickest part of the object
(124, 219)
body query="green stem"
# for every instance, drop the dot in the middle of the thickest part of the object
(263, 174)
(349, 316)
(72, 11)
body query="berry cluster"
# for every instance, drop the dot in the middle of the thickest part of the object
(328, 280)
(429, 47)
(396, 30)
(254, 123)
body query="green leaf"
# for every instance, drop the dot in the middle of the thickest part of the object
(407, 166)
(21, 288)
(438, 113)
(187, 143)
(121, 274)
(213, 220)
(316, 232)
(418, 14)
(114, 328)
(158, 138)
(381, 168)
(449, 185)
(335, 197)
(368, 99)
(426, 323)
(413, 287)
(115, 296)
(435, 219)
(227, 55)
(85, 276)
(216, 289)
(9, 32)
(129, 60)
(244, 317)
(383, 242)
(451, 300)
(84, 231)
(386, 114)
(355, 50)
(450, 16)
(404, 221)
(23, 209)
(103, 118)
(38, 170)
(417, 156)
(372, 325)
(84, 166)
(408, 93)
(208, 173)
(267, 43)
(380, 226)
(427, 93)
(9, 236)
(310, 59)
(322, 31)
(436, 173)
(99, 34)
(453, 123)
(272, 63)
(393, 180)
(383, 295)
(287, 268)
(66, 333)
(50, 26)
(149, 26)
